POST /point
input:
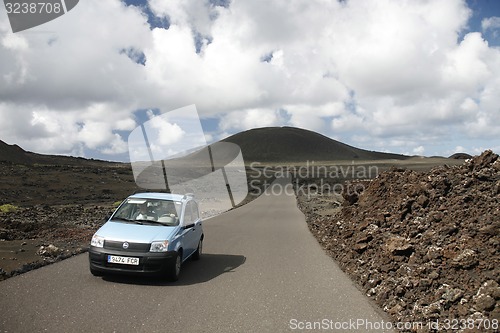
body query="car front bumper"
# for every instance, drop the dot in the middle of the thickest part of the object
(150, 263)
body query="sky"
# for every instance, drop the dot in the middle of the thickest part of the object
(411, 77)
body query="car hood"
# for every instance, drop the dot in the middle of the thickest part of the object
(137, 233)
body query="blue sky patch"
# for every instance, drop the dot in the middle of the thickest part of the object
(483, 9)
(135, 55)
(153, 20)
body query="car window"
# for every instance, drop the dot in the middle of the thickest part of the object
(125, 211)
(191, 214)
(188, 216)
(149, 209)
(194, 210)
(168, 208)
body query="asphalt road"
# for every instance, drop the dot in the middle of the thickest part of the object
(262, 271)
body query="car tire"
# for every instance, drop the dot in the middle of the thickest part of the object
(175, 268)
(199, 249)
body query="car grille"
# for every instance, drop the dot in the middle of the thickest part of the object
(132, 247)
(146, 265)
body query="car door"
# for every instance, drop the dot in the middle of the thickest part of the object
(189, 237)
(198, 230)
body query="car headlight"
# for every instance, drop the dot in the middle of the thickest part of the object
(161, 246)
(97, 241)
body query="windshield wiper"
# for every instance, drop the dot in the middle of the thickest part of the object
(149, 221)
(122, 219)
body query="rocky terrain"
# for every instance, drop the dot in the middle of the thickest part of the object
(424, 245)
(31, 237)
(49, 212)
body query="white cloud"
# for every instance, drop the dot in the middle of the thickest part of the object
(460, 149)
(310, 116)
(50, 131)
(80, 62)
(72, 88)
(466, 68)
(244, 120)
(382, 73)
(419, 150)
(117, 146)
(194, 13)
(14, 42)
(166, 133)
(95, 134)
(490, 23)
(404, 65)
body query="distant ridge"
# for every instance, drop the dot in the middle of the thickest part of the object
(13, 154)
(17, 155)
(267, 144)
(461, 156)
(291, 144)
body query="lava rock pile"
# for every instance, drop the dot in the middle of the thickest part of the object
(424, 245)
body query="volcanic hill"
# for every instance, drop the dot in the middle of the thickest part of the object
(290, 144)
(268, 144)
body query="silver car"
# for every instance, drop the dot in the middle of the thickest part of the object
(148, 234)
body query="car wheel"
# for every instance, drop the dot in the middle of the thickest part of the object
(175, 268)
(197, 253)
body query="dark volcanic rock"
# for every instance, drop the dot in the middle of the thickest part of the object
(70, 227)
(434, 245)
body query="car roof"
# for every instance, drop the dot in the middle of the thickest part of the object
(159, 195)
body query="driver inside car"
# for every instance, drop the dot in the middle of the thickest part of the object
(144, 213)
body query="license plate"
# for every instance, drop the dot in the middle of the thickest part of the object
(123, 260)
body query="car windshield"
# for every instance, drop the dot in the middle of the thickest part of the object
(138, 210)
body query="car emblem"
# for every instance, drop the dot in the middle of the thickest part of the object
(125, 245)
